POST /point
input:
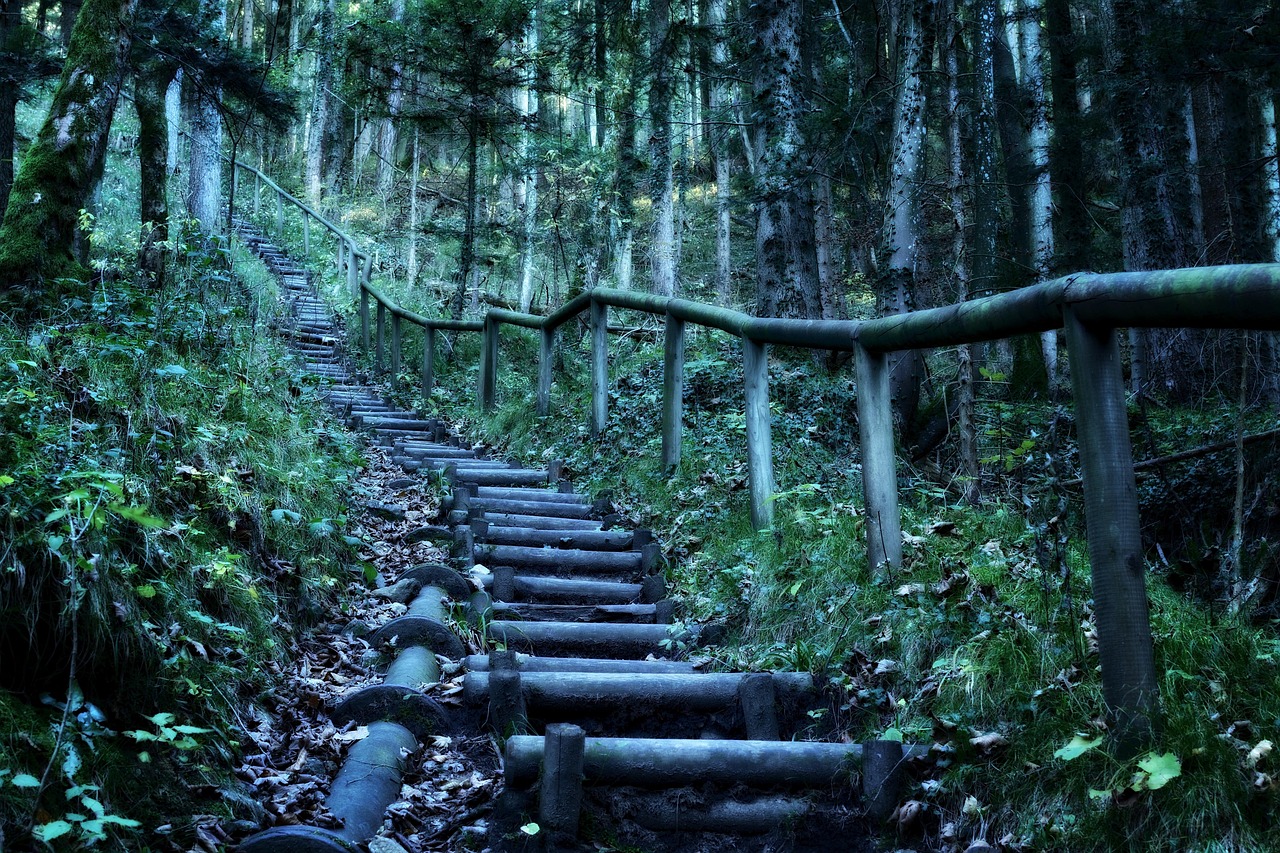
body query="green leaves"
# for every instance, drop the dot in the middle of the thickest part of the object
(171, 370)
(1156, 771)
(1078, 746)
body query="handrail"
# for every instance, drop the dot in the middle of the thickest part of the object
(1089, 307)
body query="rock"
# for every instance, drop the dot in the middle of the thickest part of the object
(980, 846)
(391, 512)
(430, 532)
(401, 591)
(357, 628)
(370, 659)
(402, 483)
(385, 845)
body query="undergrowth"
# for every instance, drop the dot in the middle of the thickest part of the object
(172, 510)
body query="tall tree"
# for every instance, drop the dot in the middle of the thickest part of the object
(662, 50)
(786, 248)
(65, 163)
(204, 192)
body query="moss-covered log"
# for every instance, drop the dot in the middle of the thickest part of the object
(64, 164)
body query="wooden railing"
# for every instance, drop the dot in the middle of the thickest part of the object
(1090, 308)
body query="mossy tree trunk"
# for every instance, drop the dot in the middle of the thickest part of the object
(65, 162)
(150, 87)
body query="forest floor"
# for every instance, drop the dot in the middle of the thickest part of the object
(292, 750)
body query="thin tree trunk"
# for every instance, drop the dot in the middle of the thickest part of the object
(719, 136)
(661, 50)
(10, 19)
(1271, 170)
(903, 225)
(1041, 214)
(959, 204)
(173, 120)
(320, 106)
(388, 136)
(528, 98)
(65, 162)
(413, 212)
(1074, 249)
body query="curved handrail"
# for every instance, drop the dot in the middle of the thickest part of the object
(1088, 306)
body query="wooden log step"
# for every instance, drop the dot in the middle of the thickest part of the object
(398, 425)
(505, 585)
(541, 495)
(588, 639)
(533, 663)
(675, 763)
(554, 510)
(560, 559)
(582, 540)
(574, 692)
(529, 611)
(441, 452)
(538, 521)
(479, 474)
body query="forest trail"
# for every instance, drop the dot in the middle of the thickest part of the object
(614, 732)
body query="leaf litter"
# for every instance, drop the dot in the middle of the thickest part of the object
(292, 750)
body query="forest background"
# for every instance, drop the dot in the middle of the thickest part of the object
(789, 158)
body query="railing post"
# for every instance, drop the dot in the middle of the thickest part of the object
(755, 376)
(428, 360)
(364, 319)
(879, 470)
(342, 255)
(353, 270)
(1115, 543)
(279, 214)
(599, 366)
(546, 355)
(306, 235)
(379, 338)
(395, 350)
(488, 391)
(672, 391)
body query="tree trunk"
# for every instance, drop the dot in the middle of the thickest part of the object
(150, 88)
(64, 164)
(204, 198)
(467, 255)
(662, 184)
(1074, 248)
(903, 227)
(786, 247)
(320, 106)
(1041, 196)
(528, 97)
(624, 185)
(388, 136)
(719, 137)
(10, 20)
(959, 204)
(986, 147)
(412, 262)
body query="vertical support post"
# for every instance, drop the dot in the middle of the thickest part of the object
(257, 194)
(428, 361)
(755, 375)
(395, 350)
(1115, 543)
(353, 270)
(879, 471)
(306, 235)
(488, 391)
(279, 214)
(342, 255)
(379, 339)
(599, 366)
(546, 356)
(364, 320)
(560, 803)
(672, 391)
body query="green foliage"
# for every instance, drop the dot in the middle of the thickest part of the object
(172, 508)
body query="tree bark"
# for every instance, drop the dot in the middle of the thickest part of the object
(719, 144)
(662, 183)
(150, 87)
(903, 226)
(1074, 248)
(1041, 195)
(528, 98)
(204, 193)
(959, 204)
(320, 102)
(786, 248)
(10, 20)
(64, 164)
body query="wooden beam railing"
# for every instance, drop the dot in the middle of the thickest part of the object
(1090, 307)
